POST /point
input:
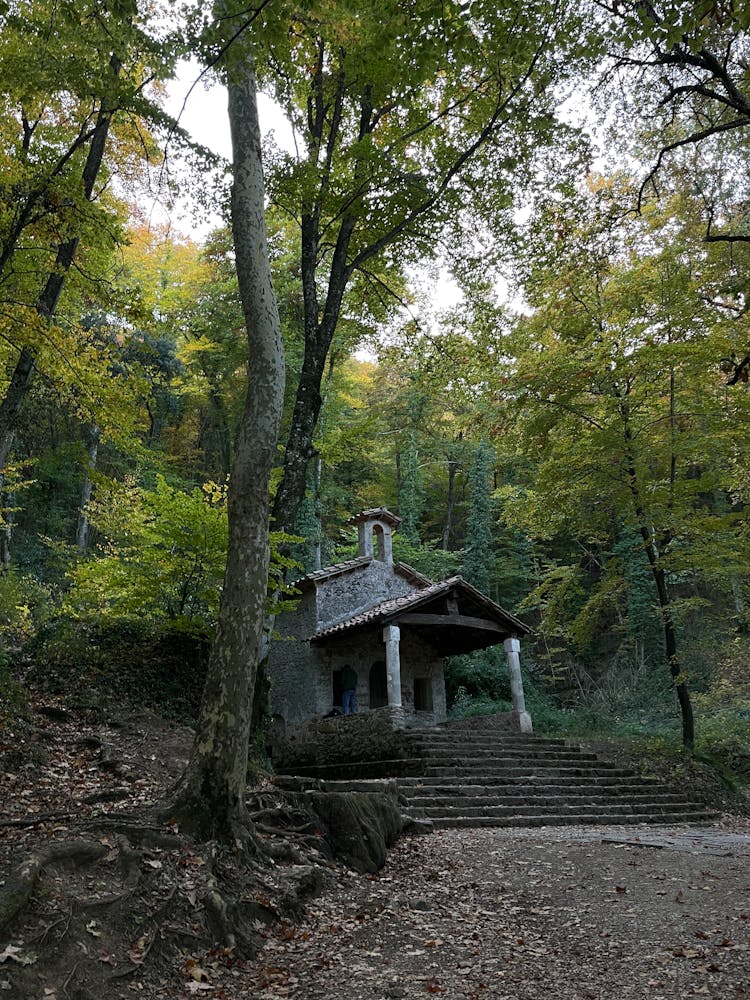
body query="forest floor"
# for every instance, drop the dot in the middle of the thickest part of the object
(576, 913)
(120, 906)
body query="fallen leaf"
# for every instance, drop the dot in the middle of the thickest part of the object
(18, 955)
(687, 953)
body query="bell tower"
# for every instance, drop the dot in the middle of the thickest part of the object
(375, 532)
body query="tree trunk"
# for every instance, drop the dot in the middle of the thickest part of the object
(670, 642)
(92, 434)
(210, 795)
(46, 304)
(654, 556)
(450, 504)
(6, 534)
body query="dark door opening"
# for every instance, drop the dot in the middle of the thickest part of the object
(378, 685)
(422, 694)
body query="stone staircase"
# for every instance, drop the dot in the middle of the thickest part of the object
(479, 778)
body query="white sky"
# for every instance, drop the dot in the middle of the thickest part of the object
(205, 113)
(205, 118)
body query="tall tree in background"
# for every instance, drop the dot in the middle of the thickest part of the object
(617, 396)
(60, 102)
(677, 72)
(403, 116)
(479, 562)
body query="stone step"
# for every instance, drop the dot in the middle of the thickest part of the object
(483, 782)
(514, 769)
(489, 742)
(612, 808)
(582, 819)
(577, 798)
(471, 756)
(481, 778)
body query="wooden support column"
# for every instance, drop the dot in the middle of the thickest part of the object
(392, 637)
(512, 649)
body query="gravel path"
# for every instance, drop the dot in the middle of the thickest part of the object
(577, 912)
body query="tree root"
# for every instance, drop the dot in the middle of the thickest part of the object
(218, 918)
(130, 860)
(145, 834)
(20, 885)
(39, 818)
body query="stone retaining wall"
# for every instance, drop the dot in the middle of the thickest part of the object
(343, 739)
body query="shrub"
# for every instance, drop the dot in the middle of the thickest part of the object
(162, 669)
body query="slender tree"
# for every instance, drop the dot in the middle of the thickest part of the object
(210, 796)
(403, 117)
(479, 562)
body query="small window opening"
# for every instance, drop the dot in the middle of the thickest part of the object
(379, 540)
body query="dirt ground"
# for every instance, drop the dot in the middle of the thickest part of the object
(578, 912)
(126, 909)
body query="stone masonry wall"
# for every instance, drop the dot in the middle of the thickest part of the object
(345, 739)
(349, 594)
(289, 661)
(301, 674)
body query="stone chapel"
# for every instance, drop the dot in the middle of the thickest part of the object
(393, 626)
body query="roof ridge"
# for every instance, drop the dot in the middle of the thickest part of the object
(333, 570)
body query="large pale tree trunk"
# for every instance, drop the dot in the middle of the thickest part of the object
(211, 794)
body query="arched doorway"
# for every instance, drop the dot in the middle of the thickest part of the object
(378, 684)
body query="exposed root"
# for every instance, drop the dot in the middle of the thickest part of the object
(218, 918)
(36, 820)
(130, 860)
(144, 834)
(20, 885)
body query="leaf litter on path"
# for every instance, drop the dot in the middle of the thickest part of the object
(575, 913)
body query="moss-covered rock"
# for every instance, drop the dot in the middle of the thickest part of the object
(360, 827)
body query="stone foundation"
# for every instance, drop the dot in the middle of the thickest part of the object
(503, 722)
(367, 737)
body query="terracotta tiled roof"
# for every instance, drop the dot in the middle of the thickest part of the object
(412, 575)
(328, 571)
(393, 608)
(318, 575)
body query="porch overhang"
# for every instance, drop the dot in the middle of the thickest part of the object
(452, 617)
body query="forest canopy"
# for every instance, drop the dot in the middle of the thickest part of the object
(509, 251)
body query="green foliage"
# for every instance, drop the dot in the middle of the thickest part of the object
(477, 677)
(432, 562)
(465, 706)
(25, 605)
(411, 491)
(163, 557)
